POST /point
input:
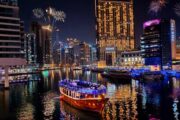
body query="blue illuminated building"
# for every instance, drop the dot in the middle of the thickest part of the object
(157, 42)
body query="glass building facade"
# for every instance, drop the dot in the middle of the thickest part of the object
(158, 42)
(43, 43)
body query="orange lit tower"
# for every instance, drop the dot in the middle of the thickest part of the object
(115, 28)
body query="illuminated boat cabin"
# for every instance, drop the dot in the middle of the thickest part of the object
(82, 89)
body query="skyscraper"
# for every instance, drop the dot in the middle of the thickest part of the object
(115, 28)
(11, 34)
(46, 44)
(69, 56)
(30, 48)
(55, 46)
(84, 54)
(43, 42)
(178, 48)
(11, 37)
(158, 42)
(93, 54)
(36, 29)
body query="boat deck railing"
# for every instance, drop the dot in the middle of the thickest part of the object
(83, 87)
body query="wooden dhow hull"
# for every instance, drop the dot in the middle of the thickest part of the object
(88, 104)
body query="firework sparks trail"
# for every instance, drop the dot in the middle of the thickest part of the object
(38, 13)
(56, 15)
(59, 16)
(177, 9)
(49, 16)
(157, 5)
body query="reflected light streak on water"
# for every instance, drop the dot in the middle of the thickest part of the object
(122, 103)
(38, 100)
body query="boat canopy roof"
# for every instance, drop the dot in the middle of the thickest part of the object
(83, 87)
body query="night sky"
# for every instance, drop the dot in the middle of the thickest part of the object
(80, 21)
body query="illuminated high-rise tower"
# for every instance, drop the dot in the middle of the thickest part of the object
(115, 28)
(43, 42)
(158, 43)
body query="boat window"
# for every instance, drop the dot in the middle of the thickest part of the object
(82, 96)
(77, 95)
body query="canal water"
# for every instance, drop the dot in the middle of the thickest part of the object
(39, 99)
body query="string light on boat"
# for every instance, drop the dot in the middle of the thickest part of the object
(78, 88)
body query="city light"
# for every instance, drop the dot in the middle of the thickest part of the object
(47, 27)
(151, 22)
(103, 60)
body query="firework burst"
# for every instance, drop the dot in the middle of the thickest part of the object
(59, 16)
(157, 5)
(38, 13)
(177, 9)
(49, 16)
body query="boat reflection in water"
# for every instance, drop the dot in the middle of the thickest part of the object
(70, 113)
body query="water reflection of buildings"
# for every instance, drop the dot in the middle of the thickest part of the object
(159, 100)
(25, 109)
(122, 103)
(134, 101)
(4, 103)
(87, 76)
(131, 101)
(175, 88)
(150, 100)
(77, 74)
(49, 105)
(26, 112)
(175, 94)
(80, 75)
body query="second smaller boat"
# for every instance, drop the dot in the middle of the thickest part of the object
(119, 76)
